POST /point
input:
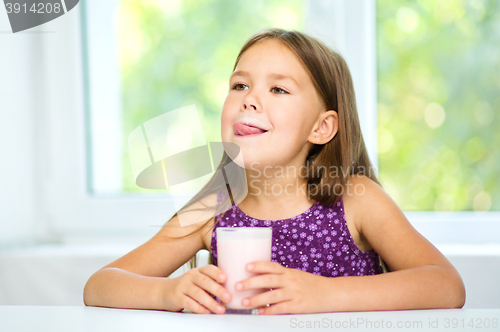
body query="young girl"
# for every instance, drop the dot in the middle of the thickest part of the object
(310, 179)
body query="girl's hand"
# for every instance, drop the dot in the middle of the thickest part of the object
(194, 290)
(293, 291)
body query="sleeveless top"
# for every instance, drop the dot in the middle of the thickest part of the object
(317, 241)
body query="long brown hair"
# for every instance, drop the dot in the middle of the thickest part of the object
(328, 165)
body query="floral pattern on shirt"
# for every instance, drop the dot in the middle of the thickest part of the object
(317, 241)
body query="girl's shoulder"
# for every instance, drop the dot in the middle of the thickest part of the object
(359, 186)
(385, 227)
(361, 196)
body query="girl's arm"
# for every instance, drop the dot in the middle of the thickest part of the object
(138, 279)
(422, 277)
(119, 288)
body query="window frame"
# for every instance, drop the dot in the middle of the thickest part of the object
(72, 213)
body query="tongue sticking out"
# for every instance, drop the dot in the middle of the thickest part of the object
(241, 129)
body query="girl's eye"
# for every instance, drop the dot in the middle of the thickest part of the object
(238, 85)
(241, 86)
(279, 89)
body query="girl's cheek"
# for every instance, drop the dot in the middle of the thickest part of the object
(225, 124)
(224, 117)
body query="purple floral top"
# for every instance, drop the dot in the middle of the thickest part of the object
(317, 241)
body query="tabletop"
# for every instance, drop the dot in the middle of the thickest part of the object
(96, 319)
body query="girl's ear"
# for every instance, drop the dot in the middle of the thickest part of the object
(325, 128)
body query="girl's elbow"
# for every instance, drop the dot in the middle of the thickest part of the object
(453, 288)
(460, 295)
(458, 292)
(88, 293)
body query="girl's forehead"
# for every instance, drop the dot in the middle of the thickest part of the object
(267, 50)
(272, 55)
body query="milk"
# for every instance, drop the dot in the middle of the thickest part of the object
(236, 247)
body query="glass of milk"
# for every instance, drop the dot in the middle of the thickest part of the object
(236, 247)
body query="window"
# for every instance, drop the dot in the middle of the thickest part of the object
(129, 81)
(438, 99)
(161, 56)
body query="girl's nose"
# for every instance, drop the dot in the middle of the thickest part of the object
(250, 102)
(249, 105)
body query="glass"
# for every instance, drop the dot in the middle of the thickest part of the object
(236, 247)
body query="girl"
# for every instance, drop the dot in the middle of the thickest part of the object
(330, 225)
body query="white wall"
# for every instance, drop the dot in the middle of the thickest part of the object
(55, 274)
(19, 77)
(480, 274)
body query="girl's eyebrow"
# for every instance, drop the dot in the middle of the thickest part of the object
(276, 76)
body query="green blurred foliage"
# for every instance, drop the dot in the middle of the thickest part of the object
(438, 66)
(178, 53)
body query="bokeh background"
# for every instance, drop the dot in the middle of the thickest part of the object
(438, 85)
(438, 70)
(176, 53)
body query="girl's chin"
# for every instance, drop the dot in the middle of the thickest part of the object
(248, 161)
(248, 157)
(253, 164)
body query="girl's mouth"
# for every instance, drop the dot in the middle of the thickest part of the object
(247, 130)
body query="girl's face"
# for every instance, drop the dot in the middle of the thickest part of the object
(272, 86)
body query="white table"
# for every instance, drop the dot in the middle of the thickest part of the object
(93, 319)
